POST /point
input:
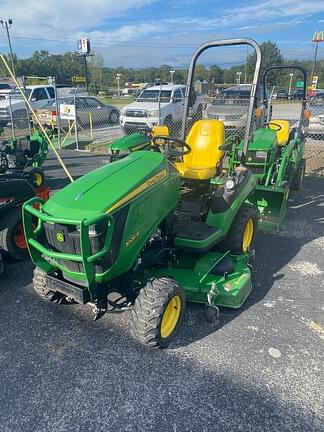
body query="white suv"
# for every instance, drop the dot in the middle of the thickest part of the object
(39, 96)
(159, 104)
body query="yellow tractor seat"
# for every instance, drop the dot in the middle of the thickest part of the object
(283, 133)
(205, 138)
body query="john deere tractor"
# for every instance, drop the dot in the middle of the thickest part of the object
(20, 179)
(160, 226)
(275, 156)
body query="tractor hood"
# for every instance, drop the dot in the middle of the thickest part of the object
(109, 187)
(264, 139)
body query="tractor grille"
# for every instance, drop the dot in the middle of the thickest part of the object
(66, 239)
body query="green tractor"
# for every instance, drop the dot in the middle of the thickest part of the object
(275, 156)
(23, 154)
(161, 226)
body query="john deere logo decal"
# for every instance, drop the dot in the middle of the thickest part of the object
(60, 237)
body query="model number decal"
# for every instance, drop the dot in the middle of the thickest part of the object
(132, 239)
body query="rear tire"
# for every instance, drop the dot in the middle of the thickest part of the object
(12, 239)
(157, 312)
(241, 234)
(298, 179)
(40, 287)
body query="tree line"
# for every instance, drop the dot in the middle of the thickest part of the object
(65, 66)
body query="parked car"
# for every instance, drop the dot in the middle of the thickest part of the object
(159, 104)
(88, 110)
(298, 94)
(231, 106)
(282, 94)
(5, 89)
(38, 95)
(316, 121)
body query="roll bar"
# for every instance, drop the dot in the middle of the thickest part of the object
(257, 71)
(304, 101)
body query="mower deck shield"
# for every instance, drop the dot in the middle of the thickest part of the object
(228, 276)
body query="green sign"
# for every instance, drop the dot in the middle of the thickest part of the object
(299, 84)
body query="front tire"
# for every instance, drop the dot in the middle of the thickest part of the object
(40, 286)
(157, 312)
(241, 234)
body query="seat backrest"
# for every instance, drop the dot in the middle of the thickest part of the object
(283, 133)
(205, 138)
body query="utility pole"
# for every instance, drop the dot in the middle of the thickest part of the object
(172, 72)
(85, 63)
(118, 75)
(317, 38)
(290, 83)
(6, 24)
(84, 51)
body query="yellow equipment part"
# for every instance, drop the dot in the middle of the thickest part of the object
(283, 133)
(205, 138)
(160, 130)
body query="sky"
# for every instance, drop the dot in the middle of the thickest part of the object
(142, 33)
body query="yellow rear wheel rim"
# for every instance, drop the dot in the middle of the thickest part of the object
(248, 235)
(38, 179)
(170, 316)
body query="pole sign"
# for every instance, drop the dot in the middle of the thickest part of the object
(299, 84)
(318, 36)
(67, 112)
(84, 46)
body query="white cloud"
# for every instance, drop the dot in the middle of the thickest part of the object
(53, 21)
(61, 19)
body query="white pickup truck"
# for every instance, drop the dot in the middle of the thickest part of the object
(39, 96)
(159, 104)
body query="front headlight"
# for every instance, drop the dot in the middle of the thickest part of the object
(153, 113)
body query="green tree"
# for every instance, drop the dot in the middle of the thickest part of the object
(271, 55)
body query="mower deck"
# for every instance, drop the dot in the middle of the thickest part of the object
(227, 278)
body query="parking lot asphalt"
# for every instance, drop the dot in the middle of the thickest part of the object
(262, 370)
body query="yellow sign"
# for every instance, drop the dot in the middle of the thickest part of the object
(318, 36)
(78, 79)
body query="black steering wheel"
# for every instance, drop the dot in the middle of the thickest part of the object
(166, 142)
(277, 126)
